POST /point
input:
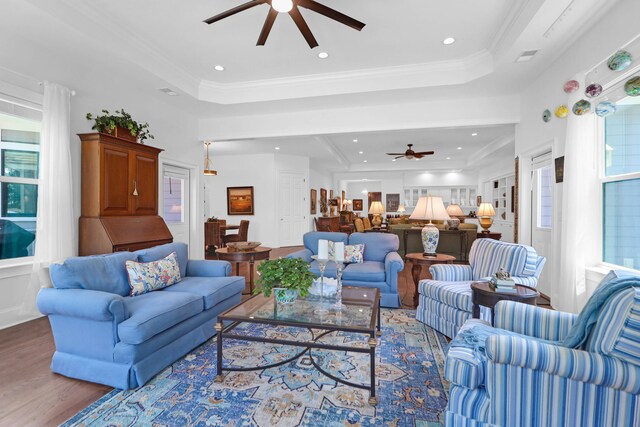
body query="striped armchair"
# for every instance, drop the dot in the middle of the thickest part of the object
(519, 374)
(445, 301)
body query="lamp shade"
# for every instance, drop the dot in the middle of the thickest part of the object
(376, 208)
(430, 208)
(486, 209)
(401, 209)
(454, 210)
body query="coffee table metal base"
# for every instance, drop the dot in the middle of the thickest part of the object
(308, 346)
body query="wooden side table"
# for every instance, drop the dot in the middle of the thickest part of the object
(258, 254)
(418, 259)
(489, 235)
(482, 293)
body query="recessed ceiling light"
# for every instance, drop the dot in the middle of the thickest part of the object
(355, 140)
(218, 68)
(277, 148)
(474, 134)
(323, 55)
(449, 40)
(360, 152)
(365, 161)
(459, 148)
(393, 160)
(448, 158)
(168, 91)
(417, 160)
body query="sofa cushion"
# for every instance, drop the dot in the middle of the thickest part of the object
(105, 273)
(376, 245)
(466, 359)
(159, 252)
(454, 294)
(151, 276)
(368, 271)
(155, 312)
(213, 290)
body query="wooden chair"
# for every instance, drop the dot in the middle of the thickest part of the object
(367, 223)
(212, 237)
(359, 225)
(241, 236)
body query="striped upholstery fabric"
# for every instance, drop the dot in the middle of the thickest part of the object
(533, 321)
(468, 405)
(449, 290)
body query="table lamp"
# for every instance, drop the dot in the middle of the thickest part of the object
(376, 209)
(486, 214)
(401, 209)
(430, 208)
(455, 212)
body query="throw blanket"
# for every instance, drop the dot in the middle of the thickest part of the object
(588, 317)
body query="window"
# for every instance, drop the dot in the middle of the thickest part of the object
(545, 197)
(173, 200)
(19, 167)
(621, 187)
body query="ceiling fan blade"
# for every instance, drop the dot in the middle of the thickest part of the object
(266, 28)
(425, 153)
(396, 154)
(233, 11)
(332, 14)
(399, 157)
(303, 27)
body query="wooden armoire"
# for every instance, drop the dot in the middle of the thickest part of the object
(119, 196)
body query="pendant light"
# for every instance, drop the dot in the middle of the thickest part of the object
(207, 163)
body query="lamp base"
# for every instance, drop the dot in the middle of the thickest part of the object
(485, 223)
(430, 236)
(376, 221)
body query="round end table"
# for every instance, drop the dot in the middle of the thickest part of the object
(257, 254)
(418, 259)
(482, 293)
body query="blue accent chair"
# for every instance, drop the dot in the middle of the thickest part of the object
(380, 267)
(445, 300)
(515, 374)
(105, 336)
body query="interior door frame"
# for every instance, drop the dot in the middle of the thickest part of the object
(306, 195)
(196, 210)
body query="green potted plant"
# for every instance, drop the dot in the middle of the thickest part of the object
(288, 278)
(120, 125)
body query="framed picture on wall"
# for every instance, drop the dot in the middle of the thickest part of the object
(323, 200)
(331, 194)
(314, 201)
(344, 195)
(478, 200)
(559, 169)
(393, 202)
(357, 204)
(240, 201)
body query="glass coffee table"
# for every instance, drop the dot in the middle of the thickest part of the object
(360, 314)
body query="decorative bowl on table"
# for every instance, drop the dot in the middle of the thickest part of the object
(243, 246)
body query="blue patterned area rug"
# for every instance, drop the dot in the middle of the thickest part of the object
(411, 387)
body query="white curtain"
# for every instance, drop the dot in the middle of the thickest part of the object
(580, 207)
(55, 232)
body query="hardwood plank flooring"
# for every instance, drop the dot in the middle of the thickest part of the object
(31, 395)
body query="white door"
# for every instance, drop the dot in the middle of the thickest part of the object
(175, 201)
(292, 207)
(542, 215)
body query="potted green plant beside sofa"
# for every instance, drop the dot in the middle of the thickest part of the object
(288, 278)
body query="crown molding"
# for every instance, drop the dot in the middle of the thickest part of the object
(441, 73)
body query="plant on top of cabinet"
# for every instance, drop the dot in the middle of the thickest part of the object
(109, 123)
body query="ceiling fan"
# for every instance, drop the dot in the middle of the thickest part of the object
(292, 8)
(410, 154)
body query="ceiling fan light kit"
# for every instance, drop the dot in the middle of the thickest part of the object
(292, 8)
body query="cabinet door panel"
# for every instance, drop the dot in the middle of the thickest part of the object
(146, 183)
(115, 181)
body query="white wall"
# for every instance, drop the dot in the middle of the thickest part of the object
(533, 136)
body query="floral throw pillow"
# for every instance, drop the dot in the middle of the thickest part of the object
(354, 254)
(150, 276)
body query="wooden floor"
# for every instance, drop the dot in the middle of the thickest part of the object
(31, 395)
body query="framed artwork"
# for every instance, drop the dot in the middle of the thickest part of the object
(240, 201)
(334, 202)
(374, 196)
(331, 194)
(314, 201)
(478, 201)
(559, 169)
(323, 200)
(357, 204)
(344, 195)
(393, 202)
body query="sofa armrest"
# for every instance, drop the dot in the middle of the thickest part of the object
(575, 365)
(207, 268)
(305, 254)
(451, 272)
(533, 321)
(393, 264)
(82, 303)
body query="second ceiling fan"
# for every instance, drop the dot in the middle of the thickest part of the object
(410, 154)
(290, 7)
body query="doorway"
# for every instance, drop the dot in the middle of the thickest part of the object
(542, 213)
(176, 187)
(292, 207)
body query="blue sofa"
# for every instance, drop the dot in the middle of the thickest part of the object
(380, 267)
(105, 336)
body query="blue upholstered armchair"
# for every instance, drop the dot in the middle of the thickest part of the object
(380, 267)
(523, 373)
(445, 301)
